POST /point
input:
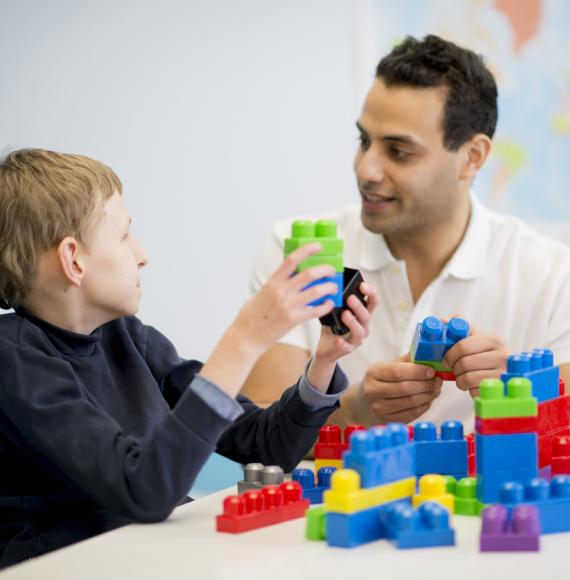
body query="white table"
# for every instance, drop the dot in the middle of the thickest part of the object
(187, 546)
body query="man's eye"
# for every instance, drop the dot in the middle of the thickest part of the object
(364, 141)
(397, 153)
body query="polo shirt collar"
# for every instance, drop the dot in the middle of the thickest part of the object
(468, 261)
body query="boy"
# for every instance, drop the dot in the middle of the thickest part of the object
(101, 422)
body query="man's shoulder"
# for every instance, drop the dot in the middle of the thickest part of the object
(10, 327)
(347, 219)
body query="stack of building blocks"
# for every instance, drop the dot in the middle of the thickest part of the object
(444, 454)
(511, 452)
(538, 367)
(427, 526)
(504, 530)
(332, 444)
(305, 232)
(260, 508)
(257, 475)
(551, 498)
(379, 469)
(431, 341)
(313, 491)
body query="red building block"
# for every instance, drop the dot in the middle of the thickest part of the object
(445, 376)
(553, 415)
(471, 464)
(258, 509)
(561, 387)
(507, 425)
(561, 455)
(330, 444)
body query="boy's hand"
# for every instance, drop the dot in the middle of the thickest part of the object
(282, 303)
(332, 347)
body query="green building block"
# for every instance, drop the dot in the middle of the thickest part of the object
(492, 402)
(434, 364)
(466, 502)
(450, 483)
(316, 524)
(322, 231)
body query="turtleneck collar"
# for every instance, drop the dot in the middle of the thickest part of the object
(66, 341)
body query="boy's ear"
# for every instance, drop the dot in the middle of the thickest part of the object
(473, 155)
(70, 260)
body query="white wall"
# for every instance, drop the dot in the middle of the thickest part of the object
(219, 116)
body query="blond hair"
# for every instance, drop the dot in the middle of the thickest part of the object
(44, 197)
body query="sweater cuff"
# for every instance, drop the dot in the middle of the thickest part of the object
(316, 400)
(216, 399)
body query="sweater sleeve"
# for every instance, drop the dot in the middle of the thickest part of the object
(53, 421)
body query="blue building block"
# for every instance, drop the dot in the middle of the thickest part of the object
(504, 452)
(306, 477)
(428, 526)
(338, 279)
(351, 530)
(433, 338)
(381, 455)
(538, 367)
(551, 498)
(489, 483)
(446, 454)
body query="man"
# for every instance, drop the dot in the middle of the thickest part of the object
(430, 247)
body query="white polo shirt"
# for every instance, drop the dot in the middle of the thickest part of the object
(504, 278)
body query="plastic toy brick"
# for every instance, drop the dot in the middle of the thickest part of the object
(466, 502)
(545, 472)
(446, 454)
(503, 452)
(507, 425)
(306, 477)
(433, 489)
(428, 526)
(324, 232)
(538, 367)
(352, 279)
(518, 402)
(257, 509)
(554, 415)
(347, 496)
(561, 387)
(546, 443)
(315, 529)
(471, 467)
(510, 531)
(355, 529)
(381, 455)
(257, 475)
(551, 498)
(561, 456)
(305, 232)
(320, 463)
(433, 338)
(489, 483)
(331, 443)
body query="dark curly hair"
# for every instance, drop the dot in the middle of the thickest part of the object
(471, 104)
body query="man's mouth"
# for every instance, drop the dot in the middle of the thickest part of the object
(375, 202)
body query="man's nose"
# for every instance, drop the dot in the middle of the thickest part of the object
(369, 166)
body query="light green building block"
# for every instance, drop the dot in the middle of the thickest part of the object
(518, 402)
(316, 524)
(466, 502)
(305, 232)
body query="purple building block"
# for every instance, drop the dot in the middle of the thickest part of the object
(517, 531)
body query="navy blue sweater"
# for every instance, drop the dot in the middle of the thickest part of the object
(98, 431)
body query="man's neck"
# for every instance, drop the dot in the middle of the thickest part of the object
(427, 251)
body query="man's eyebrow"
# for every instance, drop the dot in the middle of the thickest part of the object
(402, 139)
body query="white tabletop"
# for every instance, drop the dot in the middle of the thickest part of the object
(187, 546)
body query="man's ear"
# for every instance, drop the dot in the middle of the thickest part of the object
(473, 155)
(71, 261)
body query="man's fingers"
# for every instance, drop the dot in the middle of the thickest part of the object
(473, 344)
(490, 360)
(398, 372)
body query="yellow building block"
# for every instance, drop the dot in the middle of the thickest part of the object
(327, 463)
(433, 488)
(346, 496)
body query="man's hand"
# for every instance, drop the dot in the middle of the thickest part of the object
(477, 357)
(395, 391)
